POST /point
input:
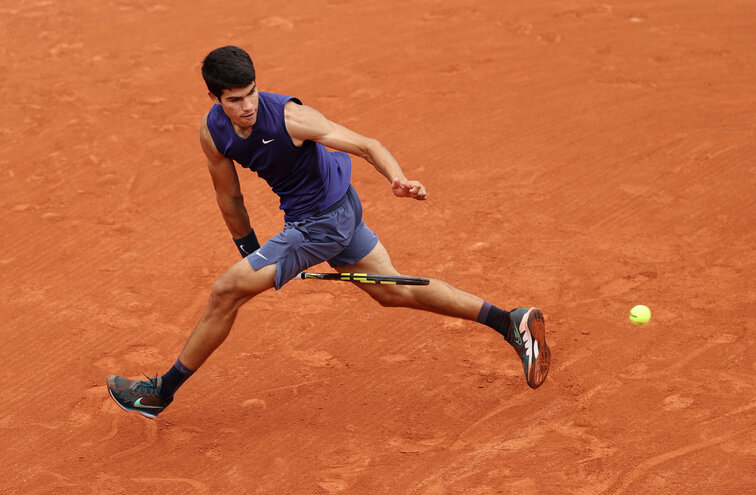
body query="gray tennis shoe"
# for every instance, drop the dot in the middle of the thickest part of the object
(138, 395)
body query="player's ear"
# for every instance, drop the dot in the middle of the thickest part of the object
(213, 98)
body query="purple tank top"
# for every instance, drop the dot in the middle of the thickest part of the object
(307, 179)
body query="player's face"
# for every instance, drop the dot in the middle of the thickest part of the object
(240, 105)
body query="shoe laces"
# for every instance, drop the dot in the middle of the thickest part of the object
(150, 387)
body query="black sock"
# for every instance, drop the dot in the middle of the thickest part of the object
(494, 317)
(172, 380)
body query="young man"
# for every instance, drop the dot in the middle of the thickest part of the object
(285, 142)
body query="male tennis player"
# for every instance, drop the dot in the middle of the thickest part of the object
(285, 142)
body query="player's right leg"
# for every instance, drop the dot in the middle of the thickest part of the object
(238, 285)
(523, 328)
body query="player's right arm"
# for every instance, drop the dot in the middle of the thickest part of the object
(228, 192)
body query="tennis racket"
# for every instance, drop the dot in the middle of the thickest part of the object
(367, 278)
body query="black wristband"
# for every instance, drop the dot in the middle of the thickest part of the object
(247, 244)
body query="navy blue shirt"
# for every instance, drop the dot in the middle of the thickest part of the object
(307, 179)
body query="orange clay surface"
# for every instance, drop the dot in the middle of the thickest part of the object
(580, 156)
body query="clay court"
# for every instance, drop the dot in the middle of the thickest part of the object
(581, 157)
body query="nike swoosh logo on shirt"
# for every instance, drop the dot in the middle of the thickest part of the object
(268, 141)
(138, 403)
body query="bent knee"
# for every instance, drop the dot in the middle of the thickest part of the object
(227, 290)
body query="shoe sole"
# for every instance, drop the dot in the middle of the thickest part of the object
(145, 414)
(537, 328)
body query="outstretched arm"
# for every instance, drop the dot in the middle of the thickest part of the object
(228, 193)
(307, 124)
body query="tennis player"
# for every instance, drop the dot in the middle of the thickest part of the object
(284, 142)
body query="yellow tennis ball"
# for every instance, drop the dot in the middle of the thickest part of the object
(640, 314)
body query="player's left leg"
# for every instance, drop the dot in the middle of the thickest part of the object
(523, 328)
(437, 297)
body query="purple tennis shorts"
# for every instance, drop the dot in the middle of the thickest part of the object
(337, 235)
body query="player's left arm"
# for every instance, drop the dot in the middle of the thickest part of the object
(307, 124)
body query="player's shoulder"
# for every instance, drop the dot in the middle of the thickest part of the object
(206, 138)
(293, 107)
(277, 97)
(204, 130)
(213, 113)
(279, 100)
(213, 119)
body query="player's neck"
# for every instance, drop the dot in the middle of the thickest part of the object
(242, 132)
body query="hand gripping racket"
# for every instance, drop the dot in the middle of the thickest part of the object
(367, 278)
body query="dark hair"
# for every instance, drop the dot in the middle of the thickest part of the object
(227, 67)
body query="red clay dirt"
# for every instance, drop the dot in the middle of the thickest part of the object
(584, 157)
